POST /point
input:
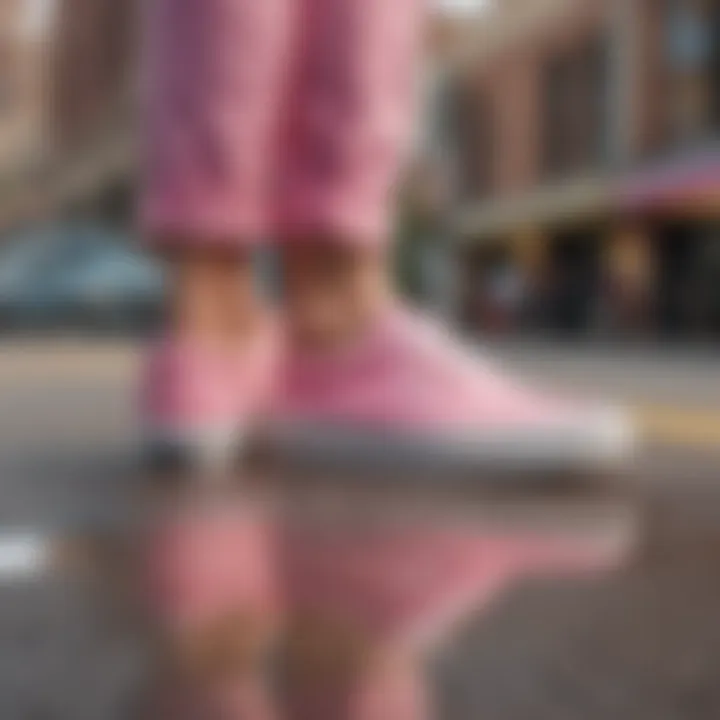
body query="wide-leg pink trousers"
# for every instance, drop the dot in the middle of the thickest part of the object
(276, 118)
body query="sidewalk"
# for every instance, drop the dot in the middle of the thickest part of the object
(673, 391)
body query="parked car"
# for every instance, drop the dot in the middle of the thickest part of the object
(77, 276)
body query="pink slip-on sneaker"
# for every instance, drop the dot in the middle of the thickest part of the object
(408, 393)
(197, 403)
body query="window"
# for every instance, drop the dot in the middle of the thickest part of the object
(556, 104)
(595, 65)
(692, 69)
(576, 122)
(714, 65)
(471, 121)
(7, 81)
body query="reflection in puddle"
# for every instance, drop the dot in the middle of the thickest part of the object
(316, 591)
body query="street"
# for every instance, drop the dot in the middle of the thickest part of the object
(644, 643)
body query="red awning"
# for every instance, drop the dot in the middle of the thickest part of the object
(683, 183)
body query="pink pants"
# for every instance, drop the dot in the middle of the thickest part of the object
(276, 117)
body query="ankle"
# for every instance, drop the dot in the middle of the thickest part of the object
(212, 298)
(333, 293)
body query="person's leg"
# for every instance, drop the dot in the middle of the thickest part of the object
(350, 121)
(333, 292)
(398, 378)
(213, 74)
(356, 362)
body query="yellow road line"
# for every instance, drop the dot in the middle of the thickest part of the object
(680, 426)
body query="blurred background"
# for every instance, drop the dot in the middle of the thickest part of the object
(584, 199)
(565, 185)
(67, 251)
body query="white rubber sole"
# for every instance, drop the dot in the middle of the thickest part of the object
(595, 441)
(194, 448)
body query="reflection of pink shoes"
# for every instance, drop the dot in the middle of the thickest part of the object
(209, 565)
(212, 587)
(409, 584)
(407, 392)
(398, 589)
(196, 403)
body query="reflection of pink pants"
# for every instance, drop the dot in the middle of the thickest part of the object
(276, 116)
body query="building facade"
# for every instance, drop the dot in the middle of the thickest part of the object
(23, 88)
(66, 86)
(588, 191)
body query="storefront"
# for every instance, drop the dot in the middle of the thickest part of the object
(534, 263)
(678, 204)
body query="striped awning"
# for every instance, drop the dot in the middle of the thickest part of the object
(685, 182)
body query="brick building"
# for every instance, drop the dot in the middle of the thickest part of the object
(65, 90)
(589, 181)
(94, 60)
(23, 95)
